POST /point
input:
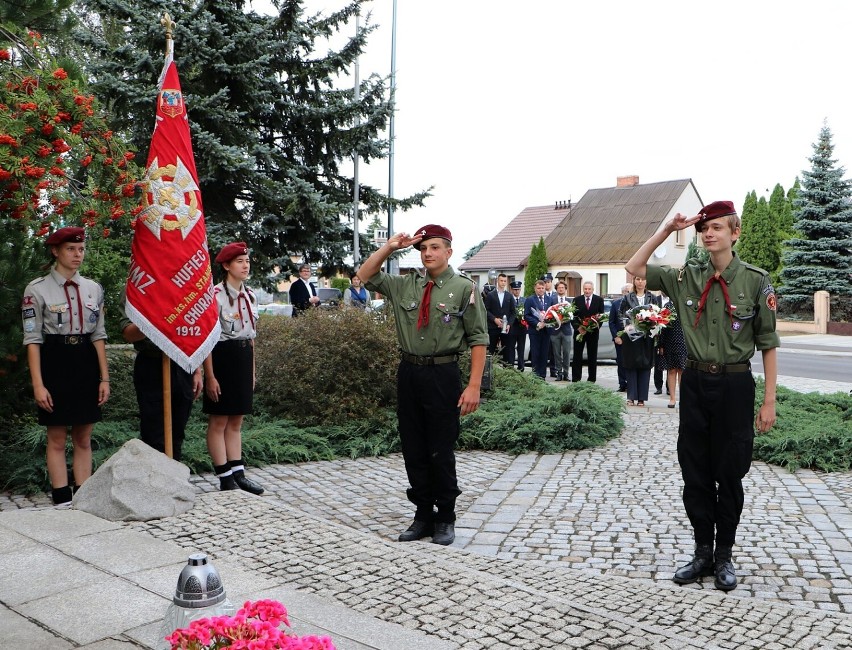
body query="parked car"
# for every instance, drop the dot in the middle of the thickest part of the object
(276, 309)
(329, 298)
(606, 347)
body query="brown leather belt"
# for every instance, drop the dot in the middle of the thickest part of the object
(428, 361)
(718, 368)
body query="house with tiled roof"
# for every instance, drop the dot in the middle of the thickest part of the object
(593, 239)
(508, 250)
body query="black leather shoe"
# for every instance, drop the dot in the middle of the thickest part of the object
(622, 389)
(228, 483)
(726, 577)
(701, 566)
(417, 530)
(445, 534)
(245, 483)
(659, 391)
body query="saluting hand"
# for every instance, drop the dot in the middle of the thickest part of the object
(681, 221)
(43, 399)
(402, 240)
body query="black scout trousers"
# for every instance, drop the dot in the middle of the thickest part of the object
(428, 416)
(714, 448)
(148, 381)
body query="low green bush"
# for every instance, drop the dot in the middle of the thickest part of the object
(813, 430)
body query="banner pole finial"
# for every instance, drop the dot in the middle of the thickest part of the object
(169, 25)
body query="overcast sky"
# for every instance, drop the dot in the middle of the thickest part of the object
(504, 105)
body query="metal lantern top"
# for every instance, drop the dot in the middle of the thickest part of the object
(199, 584)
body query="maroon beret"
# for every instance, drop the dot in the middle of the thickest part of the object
(715, 210)
(73, 234)
(431, 231)
(232, 250)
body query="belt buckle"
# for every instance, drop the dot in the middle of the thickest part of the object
(714, 368)
(72, 339)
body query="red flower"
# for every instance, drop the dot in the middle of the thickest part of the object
(85, 162)
(129, 155)
(34, 172)
(5, 138)
(60, 146)
(57, 171)
(43, 151)
(5, 56)
(59, 73)
(106, 232)
(77, 128)
(5, 175)
(47, 129)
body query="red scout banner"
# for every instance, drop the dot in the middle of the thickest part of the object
(170, 288)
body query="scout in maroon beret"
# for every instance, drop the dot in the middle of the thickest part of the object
(72, 234)
(232, 250)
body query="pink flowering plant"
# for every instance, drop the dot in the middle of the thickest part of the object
(256, 626)
(647, 320)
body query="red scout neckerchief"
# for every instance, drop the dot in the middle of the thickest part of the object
(242, 295)
(714, 278)
(71, 283)
(423, 314)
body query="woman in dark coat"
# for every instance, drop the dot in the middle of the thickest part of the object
(673, 349)
(637, 355)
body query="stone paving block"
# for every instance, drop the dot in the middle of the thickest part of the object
(50, 524)
(122, 551)
(18, 632)
(116, 605)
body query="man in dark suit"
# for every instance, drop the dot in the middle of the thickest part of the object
(589, 304)
(303, 292)
(534, 309)
(518, 330)
(614, 329)
(500, 310)
(550, 297)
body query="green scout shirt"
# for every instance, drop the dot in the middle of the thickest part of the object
(454, 322)
(718, 338)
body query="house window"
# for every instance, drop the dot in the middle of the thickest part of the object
(603, 284)
(680, 238)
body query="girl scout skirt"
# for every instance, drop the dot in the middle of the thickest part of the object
(70, 371)
(233, 368)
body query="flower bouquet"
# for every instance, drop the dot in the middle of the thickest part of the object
(647, 320)
(519, 311)
(254, 626)
(558, 314)
(590, 324)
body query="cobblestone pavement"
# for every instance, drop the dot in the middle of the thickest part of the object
(484, 603)
(589, 538)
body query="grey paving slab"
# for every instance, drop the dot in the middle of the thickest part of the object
(50, 524)
(92, 612)
(13, 541)
(18, 632)
(121, 551)
(33, 572)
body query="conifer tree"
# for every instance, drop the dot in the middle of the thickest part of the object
(270, 126)
(821, 257)
(781, 210)
(758, 243)
(536, 267)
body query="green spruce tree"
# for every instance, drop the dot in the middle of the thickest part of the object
(270, 125)
(821, 257)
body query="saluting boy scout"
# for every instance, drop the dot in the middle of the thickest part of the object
(438, 315)
(727, 308)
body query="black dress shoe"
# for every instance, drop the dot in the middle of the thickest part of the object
(247, 484)
(228, 483)
(726, 577)
(701, 566)
(622, 389)
(658, 391)
(417, 530)
(445, 534)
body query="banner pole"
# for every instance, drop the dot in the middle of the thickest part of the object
(167, 406)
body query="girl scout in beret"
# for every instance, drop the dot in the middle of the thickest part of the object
(63, 319)
(229, 371)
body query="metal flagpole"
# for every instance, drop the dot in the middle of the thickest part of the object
(356, 189)
(392, 262)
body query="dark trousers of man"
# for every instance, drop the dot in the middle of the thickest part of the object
(560, 347)
(428, 415)
(521, 348)
(590, 341)
(714, 447)
(622, 377)
(539, 347)
(507, 346)
(148, 382)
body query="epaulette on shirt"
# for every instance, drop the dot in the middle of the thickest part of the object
(37, 280)
(756, 269)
